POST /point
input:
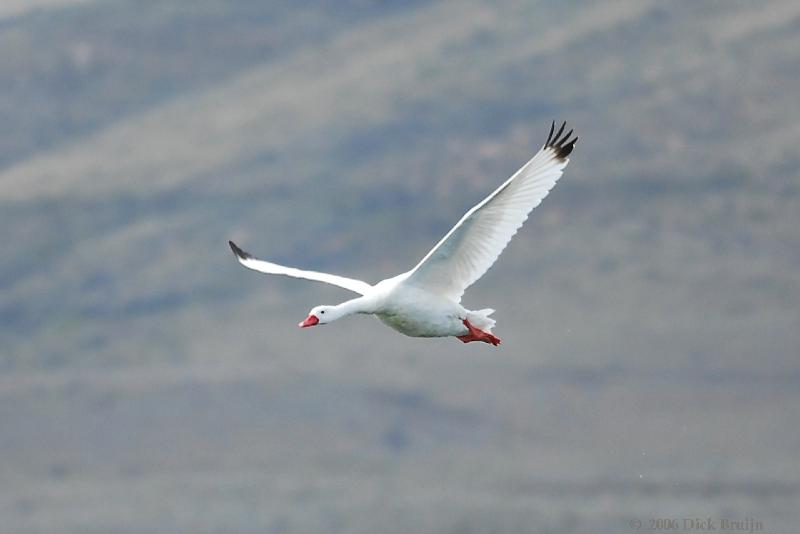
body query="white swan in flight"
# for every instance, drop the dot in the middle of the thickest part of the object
(425, 301)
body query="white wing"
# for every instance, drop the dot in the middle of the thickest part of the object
(474, 244)
(357, 286)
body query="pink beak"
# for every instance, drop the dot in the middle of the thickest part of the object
(311, 320)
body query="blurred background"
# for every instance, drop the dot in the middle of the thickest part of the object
(649, 309)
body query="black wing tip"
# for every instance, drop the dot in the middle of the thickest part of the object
(241, 254)
(561, 144)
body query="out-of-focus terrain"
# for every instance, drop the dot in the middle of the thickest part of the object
(649, 308)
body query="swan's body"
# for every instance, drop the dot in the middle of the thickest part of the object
(425, 301)
(417, 312)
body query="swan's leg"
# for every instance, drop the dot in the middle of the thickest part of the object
(478, 335)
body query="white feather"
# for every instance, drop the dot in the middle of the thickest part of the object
(356, 286)
(472, 246)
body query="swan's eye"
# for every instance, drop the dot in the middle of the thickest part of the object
(322, 311)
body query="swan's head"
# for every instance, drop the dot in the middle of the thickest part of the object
(320, 315)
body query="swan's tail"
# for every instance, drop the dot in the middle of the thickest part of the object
(480, 319)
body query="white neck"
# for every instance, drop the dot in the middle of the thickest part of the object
(356, 305)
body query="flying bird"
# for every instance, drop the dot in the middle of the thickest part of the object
(426, 301)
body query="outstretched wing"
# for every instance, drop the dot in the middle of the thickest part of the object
(471, 247)
(246, 259)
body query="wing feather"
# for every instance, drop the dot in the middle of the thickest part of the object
(249, 261)
(472, 246)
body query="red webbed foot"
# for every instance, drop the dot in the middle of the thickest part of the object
(476, 334)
